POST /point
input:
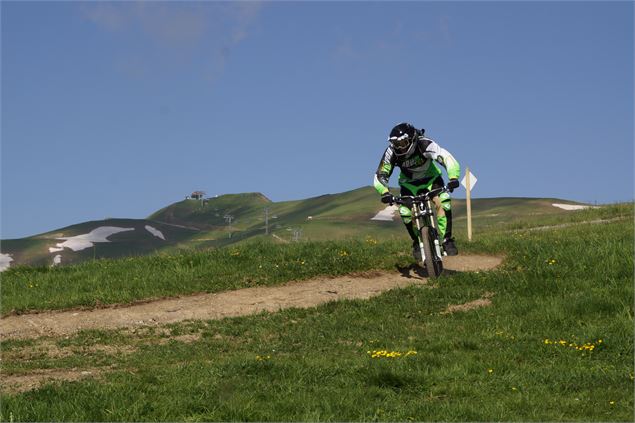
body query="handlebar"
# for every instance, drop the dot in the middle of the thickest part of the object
(408, 200)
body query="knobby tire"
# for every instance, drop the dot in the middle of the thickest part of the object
(431, 262)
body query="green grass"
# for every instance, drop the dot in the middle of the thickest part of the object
(573, 284)
(128, 280)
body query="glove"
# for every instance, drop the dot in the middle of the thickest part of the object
(453, 184)
(387, 198)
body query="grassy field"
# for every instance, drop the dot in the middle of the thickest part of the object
(556, 344)
(257, 263)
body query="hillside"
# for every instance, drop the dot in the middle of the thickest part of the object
(112, 238)
(346, 330)
(233, 218)
(209, 214)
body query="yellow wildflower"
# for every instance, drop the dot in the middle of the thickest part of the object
(389, 354)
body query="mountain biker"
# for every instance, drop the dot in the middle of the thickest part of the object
(416, 155)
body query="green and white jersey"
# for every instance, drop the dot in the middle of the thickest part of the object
(417, 169)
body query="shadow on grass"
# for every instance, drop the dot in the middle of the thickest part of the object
(414, 271)
(386, 378)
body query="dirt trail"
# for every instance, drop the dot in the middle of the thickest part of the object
(302, 294)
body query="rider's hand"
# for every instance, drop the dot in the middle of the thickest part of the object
(387, 198)
(453, 184)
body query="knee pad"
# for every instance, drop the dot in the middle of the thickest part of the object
(446, 201)
(406, 214)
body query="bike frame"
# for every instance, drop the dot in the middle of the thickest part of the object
(424, 214)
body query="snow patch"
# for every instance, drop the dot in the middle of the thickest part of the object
(57, 259)
(5, 261)
(55, 249)
(571, 206)
(81, 242)
(155, 232)
(386, 214)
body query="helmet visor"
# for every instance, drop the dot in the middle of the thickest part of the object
(401, 143)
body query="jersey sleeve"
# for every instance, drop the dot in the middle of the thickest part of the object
(382, 176)
(435, 152)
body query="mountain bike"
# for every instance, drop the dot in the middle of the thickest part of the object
(424, 218)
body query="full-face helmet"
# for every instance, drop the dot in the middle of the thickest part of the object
(402, 137)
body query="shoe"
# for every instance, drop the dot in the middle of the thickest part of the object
(416, 252)
(449, 247)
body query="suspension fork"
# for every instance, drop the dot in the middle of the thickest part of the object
(433, 222)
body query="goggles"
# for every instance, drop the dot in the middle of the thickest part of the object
(400, 143)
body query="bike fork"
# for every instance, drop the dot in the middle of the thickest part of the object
(421, 249)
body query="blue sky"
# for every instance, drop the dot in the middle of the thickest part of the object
(119, 109)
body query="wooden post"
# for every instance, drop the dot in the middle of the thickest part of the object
(469, 204)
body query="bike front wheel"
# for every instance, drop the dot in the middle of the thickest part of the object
(433, 264)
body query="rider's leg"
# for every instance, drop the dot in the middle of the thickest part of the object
(448, 240)
(442, 219)
(446, 204)
(406, 216)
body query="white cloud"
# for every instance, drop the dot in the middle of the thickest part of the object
(164, 23)
(110, 16)
(392, 42)
(245, 12)
(170, 25)
(185, 31)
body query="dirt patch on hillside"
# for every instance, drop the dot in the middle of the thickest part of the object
(299, 294)
(43, 350)
(33, 380)
(484, 301)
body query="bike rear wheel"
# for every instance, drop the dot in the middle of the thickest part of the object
(433, 264)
